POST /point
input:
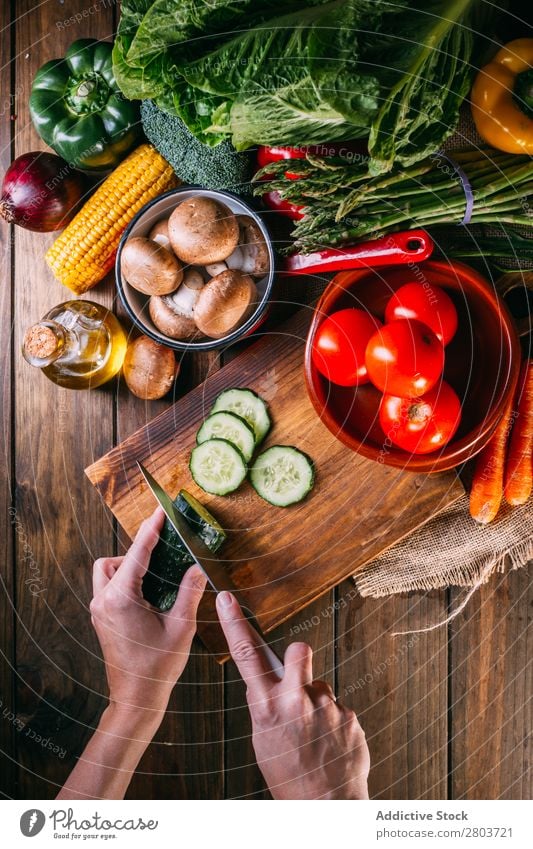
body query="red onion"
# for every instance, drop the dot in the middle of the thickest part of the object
(40, 192)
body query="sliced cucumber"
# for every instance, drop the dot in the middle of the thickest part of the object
(235, 429)
(170, 559)
(248, 406)
(282, 475)
(217, 466)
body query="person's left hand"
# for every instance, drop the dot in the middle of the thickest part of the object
(145, 651)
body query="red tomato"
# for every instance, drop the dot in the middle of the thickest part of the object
(339, 346)
(427, 303)
(421, 425)
(404, 358)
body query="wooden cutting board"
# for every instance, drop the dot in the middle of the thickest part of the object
(281, 558)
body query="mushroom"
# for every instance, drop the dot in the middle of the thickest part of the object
(202, 231)
(159, 234)
(224, 303)
(215, 268)
(173, 314)
(150, 268)
(251, 255)
(149, 369)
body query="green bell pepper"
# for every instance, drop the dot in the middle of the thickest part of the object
(78, 109)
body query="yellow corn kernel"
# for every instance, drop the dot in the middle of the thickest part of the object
(85, 251)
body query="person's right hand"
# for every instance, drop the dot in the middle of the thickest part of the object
(307, 745)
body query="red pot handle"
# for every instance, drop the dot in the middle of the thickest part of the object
(393, 249)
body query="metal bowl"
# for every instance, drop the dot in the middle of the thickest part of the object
(136, 304)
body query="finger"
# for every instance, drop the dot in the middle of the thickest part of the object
(321, 693)
(244, 645)
(103, 570)
(298, 662)
(137, 558)
(181, 618)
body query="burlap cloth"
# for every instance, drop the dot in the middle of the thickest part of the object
(452, 549)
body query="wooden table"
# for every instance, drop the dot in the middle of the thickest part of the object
(446, 713)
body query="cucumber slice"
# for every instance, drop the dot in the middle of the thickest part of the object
(282, 475)
(248, 406)
(217, 466)
(228, 426)
(170, 559)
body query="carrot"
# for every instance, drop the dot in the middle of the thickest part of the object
(487, 484)
(518, 470)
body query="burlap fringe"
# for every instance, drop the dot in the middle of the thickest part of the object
(514, 558)
(466, 575)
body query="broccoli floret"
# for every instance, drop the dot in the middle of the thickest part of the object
(219, 167)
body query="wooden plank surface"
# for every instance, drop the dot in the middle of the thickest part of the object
(443, 716)
(60, 683)
(491, 691)
(8, 524)
(398, 688)
(281, 559)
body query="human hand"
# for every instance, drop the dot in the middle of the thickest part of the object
(145, 651)
(307, 745)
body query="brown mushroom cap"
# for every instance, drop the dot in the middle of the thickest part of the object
(253, 246)
(202, 231)
(225, 303)
(149, 369)
(172, 319)
(150, 268)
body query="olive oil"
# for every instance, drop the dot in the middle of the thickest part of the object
(78, 345)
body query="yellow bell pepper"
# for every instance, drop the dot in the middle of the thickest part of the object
(502, 98)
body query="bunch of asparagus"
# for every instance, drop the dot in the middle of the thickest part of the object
(342, 203)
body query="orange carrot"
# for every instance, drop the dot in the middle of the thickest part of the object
(487, 485)
(518, 470)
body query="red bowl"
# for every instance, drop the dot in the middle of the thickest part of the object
(482, 363)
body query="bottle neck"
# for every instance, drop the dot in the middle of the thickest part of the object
(44, 343)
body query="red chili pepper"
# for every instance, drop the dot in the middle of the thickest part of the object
(274, 201)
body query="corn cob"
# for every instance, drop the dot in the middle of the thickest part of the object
(85, 251)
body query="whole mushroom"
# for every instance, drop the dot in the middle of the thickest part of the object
(149, 267)
(225, 303)
(251, 254)
(149, 369)
(159, 234)
(173, 314)
(202, 231)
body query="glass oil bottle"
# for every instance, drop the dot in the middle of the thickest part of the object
(78, 345)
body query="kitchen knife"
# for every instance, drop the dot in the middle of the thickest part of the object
(210, 565)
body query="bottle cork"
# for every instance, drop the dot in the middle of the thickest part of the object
(40, 341)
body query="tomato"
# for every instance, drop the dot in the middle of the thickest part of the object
(421, 425)
(427, 303)
(339, 346)
(404, 358)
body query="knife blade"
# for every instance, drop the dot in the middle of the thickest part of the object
(210, 565)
